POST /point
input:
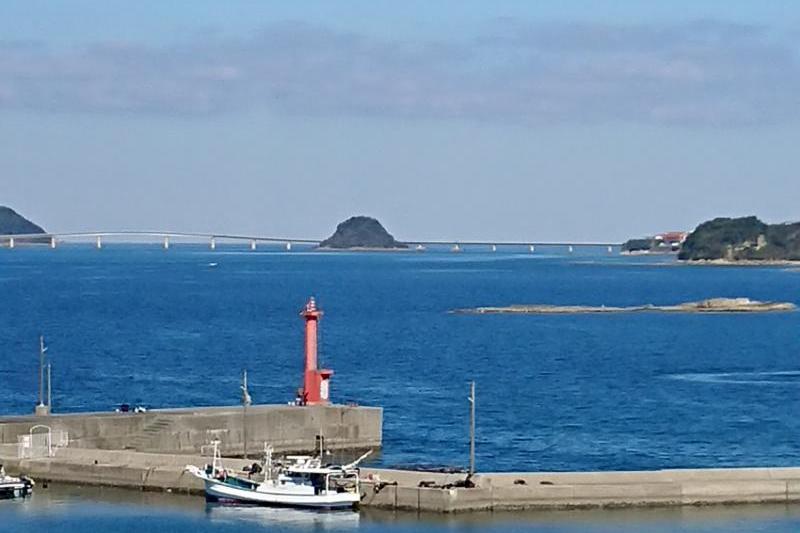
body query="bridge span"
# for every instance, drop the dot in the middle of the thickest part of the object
(165, 237)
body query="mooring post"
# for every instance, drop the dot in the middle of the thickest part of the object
(472, 428)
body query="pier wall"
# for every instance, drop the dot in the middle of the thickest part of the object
(184, 431)
(517, 491)
(396, 489)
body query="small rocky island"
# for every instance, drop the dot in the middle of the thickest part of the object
(12, 223)
(742, 240)
(361, 233)
(714, 305)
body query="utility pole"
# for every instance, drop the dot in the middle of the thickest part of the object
(42, 350)
(49, 396)
(246, 400)
(472, 429)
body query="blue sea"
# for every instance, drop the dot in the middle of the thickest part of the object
(140, 325)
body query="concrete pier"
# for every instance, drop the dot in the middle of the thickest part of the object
(288, 428)
(408, 490)
(496, 492)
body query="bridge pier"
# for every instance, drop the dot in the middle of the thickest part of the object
(532, 248)
(494, 247)
(610, 249)
(253, 245)
(571, 249)
(288, 247)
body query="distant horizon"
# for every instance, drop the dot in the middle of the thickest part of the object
(297, 238)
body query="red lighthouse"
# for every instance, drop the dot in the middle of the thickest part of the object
(315, 389)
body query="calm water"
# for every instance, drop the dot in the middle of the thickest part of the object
(89, 509)
(137, 324)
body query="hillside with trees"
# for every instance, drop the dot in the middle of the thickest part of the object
(742, 239)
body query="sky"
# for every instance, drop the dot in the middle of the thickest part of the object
(504, 120)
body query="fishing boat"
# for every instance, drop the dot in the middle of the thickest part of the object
(298, 481)
(14, 487)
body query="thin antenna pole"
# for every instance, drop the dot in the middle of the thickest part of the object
(49, 397)
(41, 369)
(245, 401)
(472, 429)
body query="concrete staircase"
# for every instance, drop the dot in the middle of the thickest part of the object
(151, 432)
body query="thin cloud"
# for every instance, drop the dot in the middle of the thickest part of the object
(702, 73)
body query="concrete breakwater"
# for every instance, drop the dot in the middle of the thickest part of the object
(435, 492)
(287, 428)
(714, 305)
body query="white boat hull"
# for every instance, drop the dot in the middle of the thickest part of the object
(14, 489)
(218, 490)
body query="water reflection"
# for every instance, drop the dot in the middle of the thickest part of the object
(287, 517)
(77, 509)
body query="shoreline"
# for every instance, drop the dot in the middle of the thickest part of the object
(740, 262)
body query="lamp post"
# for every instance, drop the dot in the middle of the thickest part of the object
(43, 409)
(472, 428)
(246, 400)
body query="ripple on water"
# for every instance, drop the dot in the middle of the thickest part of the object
(781, 377)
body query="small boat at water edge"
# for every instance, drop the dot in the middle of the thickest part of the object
(14, 487)
(302, 481)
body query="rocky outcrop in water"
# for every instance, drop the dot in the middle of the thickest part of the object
(12, 223)
(714, 305)
(361, 232)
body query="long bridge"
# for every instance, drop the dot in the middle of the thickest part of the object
(166, 237)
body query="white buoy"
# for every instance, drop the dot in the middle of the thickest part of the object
(166, 243)
(11, 242)
(610, 249)
(99, 242)
(53, 243)
(456, 248)
(253, 245)
(213, 243)
(532, 248)
(288, 247)
(571, 249)
(494, 247)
